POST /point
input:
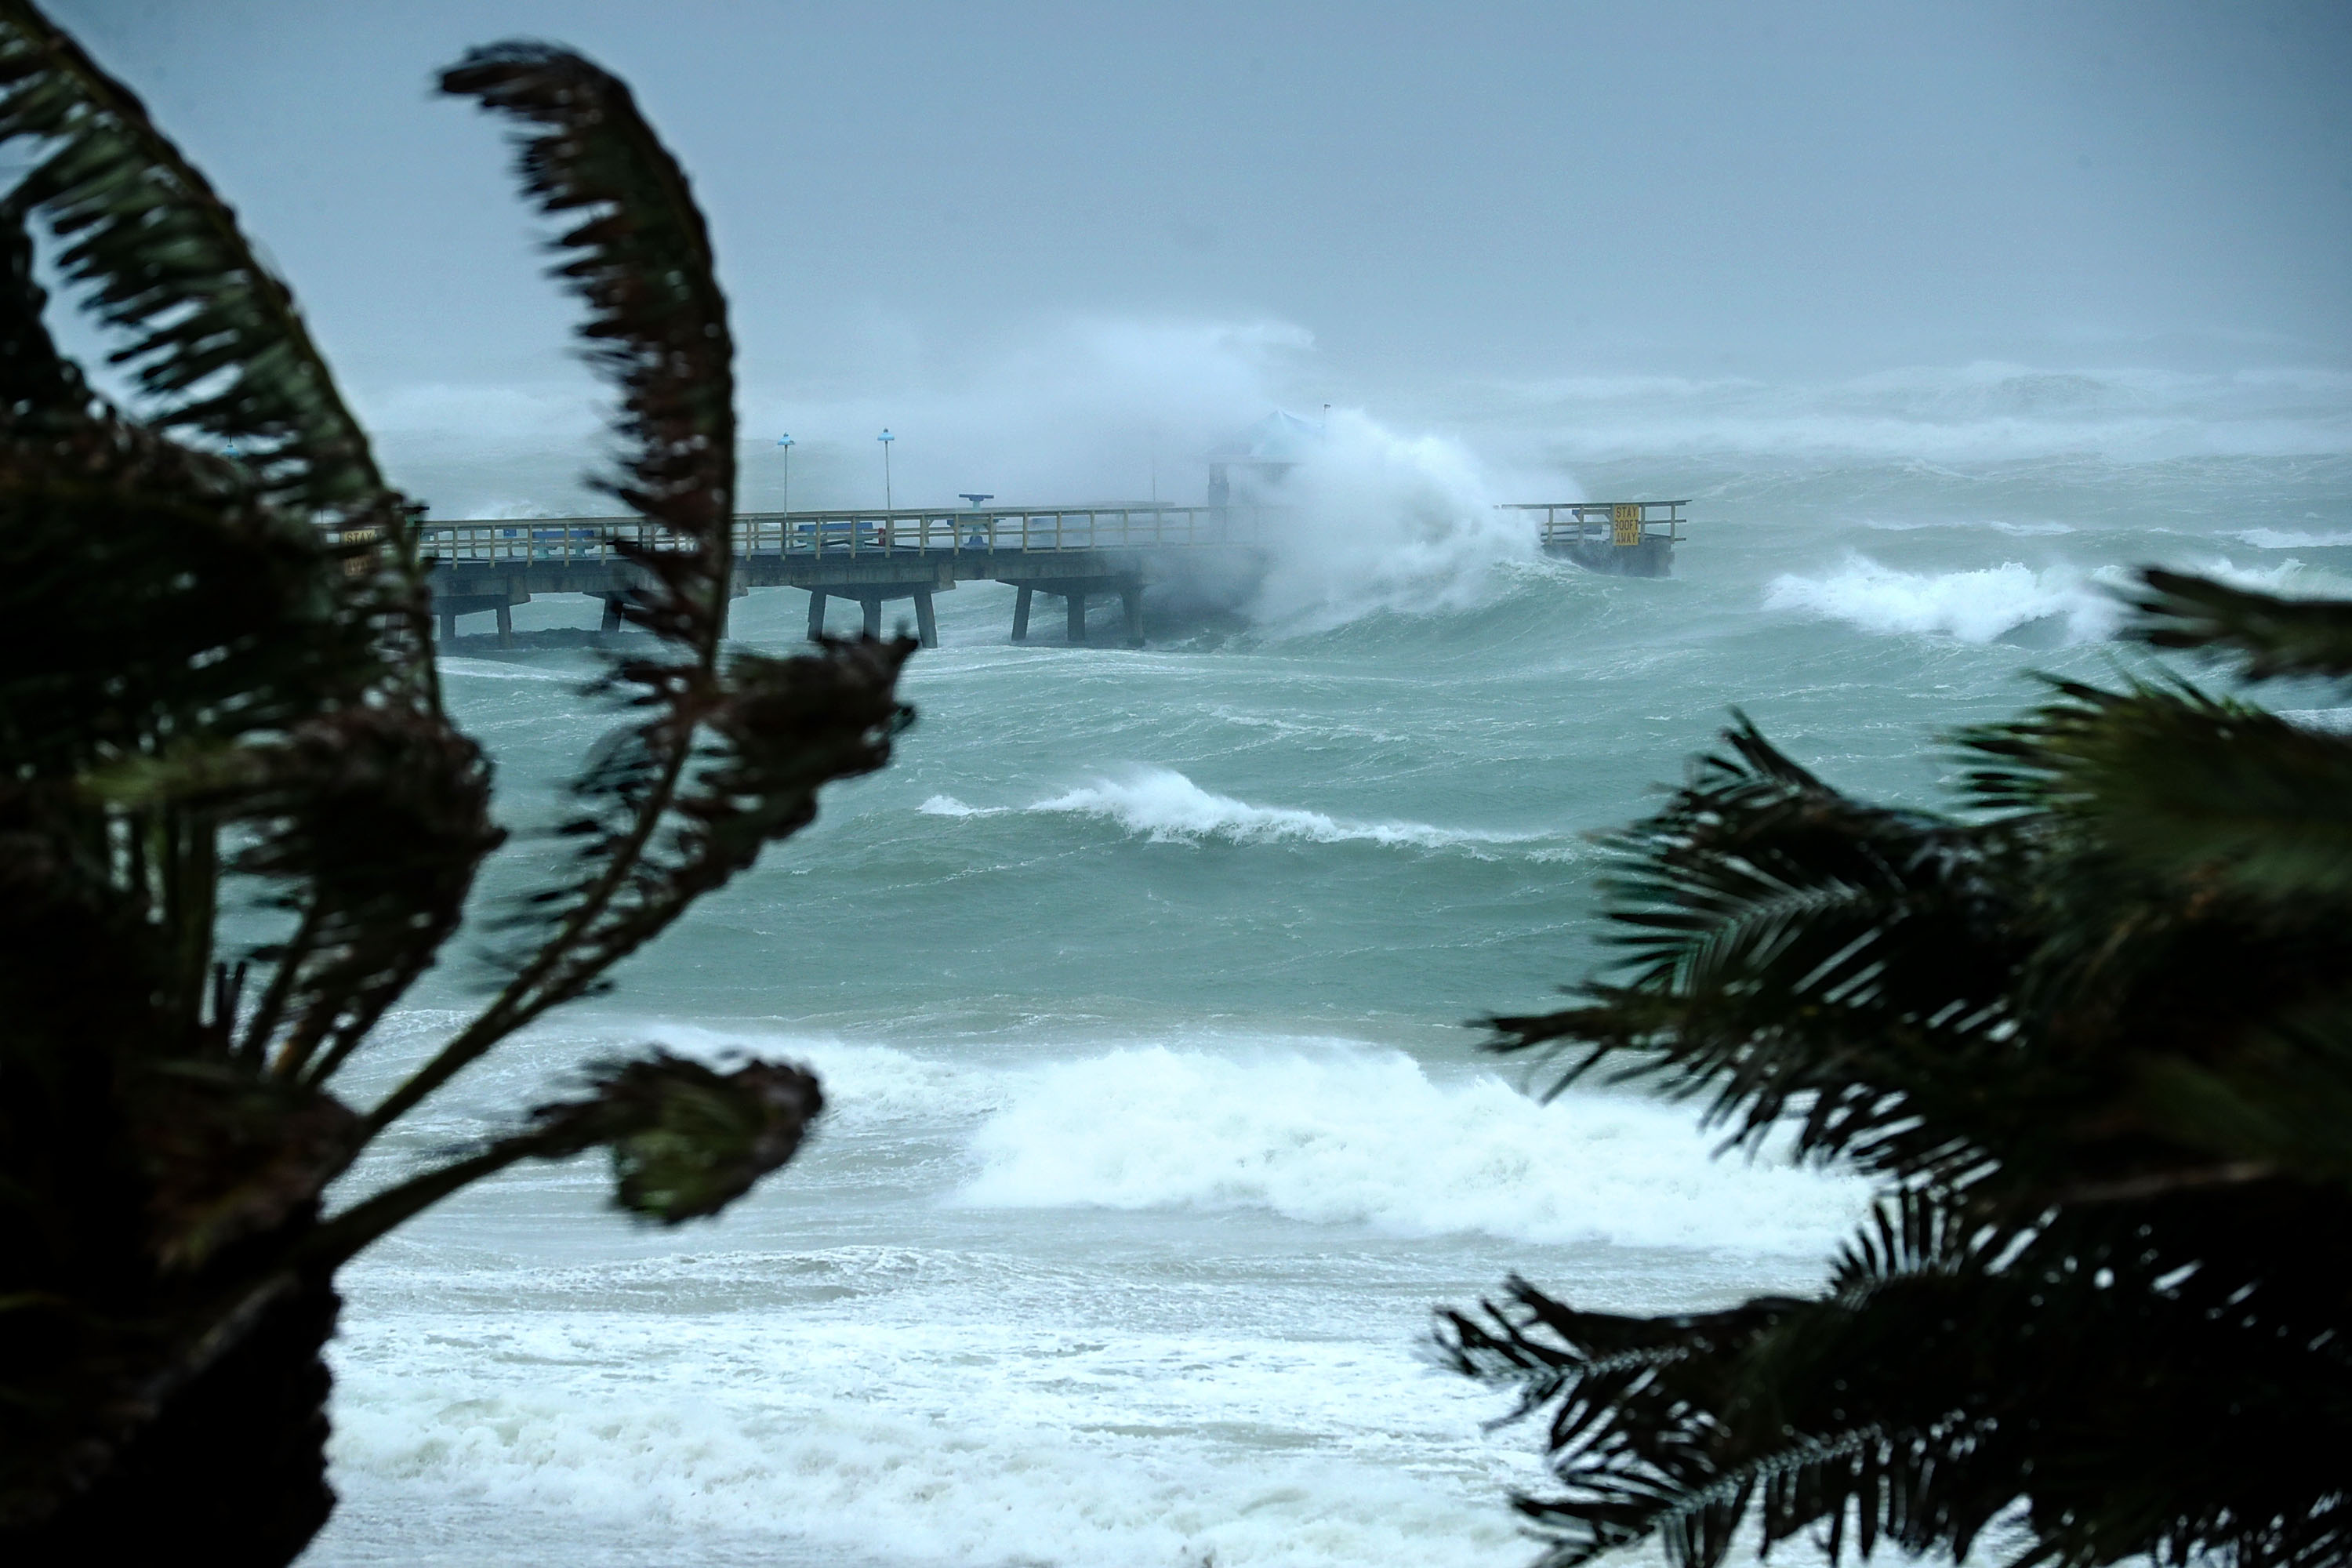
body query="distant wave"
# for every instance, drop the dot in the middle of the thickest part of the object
(1976, 607)
(2015, 530)
(1363, 1137)
(2288, 539)
(491, 670)
(1166, 807)
(1977, 413)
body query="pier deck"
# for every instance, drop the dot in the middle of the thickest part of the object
(1079, 554)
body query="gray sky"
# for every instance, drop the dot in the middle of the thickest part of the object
(922, 197)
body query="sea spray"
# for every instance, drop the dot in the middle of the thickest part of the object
(1372, 519)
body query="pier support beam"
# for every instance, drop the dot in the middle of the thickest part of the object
(1021, 612)
(927, 623)
(611, 620)
(506, 626)
(873, 617)
(816, 614)
(1077, 602)
(1130, 599)
(448, 626)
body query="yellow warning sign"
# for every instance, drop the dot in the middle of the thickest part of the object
(1625, 521)
(361, 563)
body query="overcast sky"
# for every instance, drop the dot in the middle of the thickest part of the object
(904, 194)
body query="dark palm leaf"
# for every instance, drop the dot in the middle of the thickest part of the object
(2096, 1037)
(721, 759)
(216, 338)
(212, 665)
(638, 255)
(2269, 636)
(2183, 785)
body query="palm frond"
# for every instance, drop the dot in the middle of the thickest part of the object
(2186, 786)
(1795, 954)
(721, 759)
(1930, 1394)
(686, 1141)
(35, 378)
(638, 255)
(216, 342)
(2268, 635)
(2095, 1039)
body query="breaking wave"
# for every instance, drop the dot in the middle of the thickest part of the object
(1164, 806)
(1365, 1137)
(1975, 606)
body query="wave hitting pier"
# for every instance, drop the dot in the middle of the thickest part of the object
(1079, 554)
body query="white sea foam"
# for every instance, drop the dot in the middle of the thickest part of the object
(898, 1439)
(1973, 605)
(1166, 807)
(1365, 1137)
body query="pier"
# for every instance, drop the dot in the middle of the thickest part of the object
(1081, 555)
(1623, 538)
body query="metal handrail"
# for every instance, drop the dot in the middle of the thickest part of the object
(1025, 529)
(1028, 530)
(1596, 522)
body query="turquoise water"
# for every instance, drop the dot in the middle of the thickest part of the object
(1138, 981)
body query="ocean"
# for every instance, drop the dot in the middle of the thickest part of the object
(1140, 983)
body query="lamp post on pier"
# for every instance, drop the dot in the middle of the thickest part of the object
(784, 485)
(886, 438)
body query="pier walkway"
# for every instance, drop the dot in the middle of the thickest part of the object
(1079, 554)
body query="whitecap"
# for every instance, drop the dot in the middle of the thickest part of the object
(2291, 539)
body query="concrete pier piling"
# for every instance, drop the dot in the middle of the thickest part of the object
(1021, 612)
(1076, 600)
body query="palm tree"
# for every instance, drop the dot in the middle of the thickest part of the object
(2091, 1036)
(221, 686)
